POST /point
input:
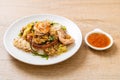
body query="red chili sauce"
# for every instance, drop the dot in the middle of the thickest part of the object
(98, 40)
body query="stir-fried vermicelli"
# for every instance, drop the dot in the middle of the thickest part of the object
(48, 36)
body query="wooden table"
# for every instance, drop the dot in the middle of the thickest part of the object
(86, 64)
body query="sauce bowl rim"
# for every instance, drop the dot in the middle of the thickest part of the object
(97, 30)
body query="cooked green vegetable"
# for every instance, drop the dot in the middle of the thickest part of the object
(52, 23)
(20, 34)
(51, 38)
(42, 55)
(63, 27)
(37, 54)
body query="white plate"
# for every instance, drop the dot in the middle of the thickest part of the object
(15, 28)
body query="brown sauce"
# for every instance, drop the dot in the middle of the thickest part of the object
(98, 40)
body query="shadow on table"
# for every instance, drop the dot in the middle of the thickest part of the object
(57, 70)
(105, 53)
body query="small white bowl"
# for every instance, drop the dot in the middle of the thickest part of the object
(99, 31)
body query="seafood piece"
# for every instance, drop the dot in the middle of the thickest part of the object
(64, 37)
(55, 27)
(22, 44)
(42, 27)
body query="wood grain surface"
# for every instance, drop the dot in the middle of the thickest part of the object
(86, 64)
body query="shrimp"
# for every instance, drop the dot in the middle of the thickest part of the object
(64, 37)
(42, 27)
